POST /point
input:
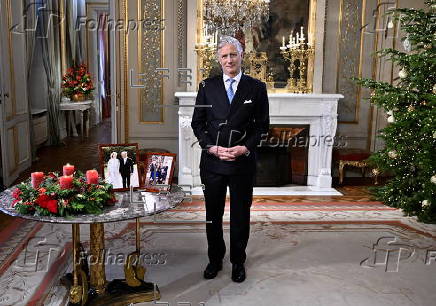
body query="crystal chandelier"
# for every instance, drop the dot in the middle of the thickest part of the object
(228, 16)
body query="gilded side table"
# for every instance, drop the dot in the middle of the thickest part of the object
(89, 285)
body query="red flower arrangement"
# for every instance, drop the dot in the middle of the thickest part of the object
(77, 81)
(49, 199)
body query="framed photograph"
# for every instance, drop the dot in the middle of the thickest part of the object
(119, 165)
(159, 171)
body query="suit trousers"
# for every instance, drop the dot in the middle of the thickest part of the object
(241, 197)
(126, 181)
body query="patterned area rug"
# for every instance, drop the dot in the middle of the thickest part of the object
(29, 275)
(13, 240)
(295, 206)
(308, 264)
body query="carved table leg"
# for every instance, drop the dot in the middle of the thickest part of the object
(341, 171)
(81, 124)
(79, 290)
(132, 289)
(97, 269)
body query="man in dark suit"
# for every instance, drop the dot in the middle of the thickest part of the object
(126, 169)
(229, 132)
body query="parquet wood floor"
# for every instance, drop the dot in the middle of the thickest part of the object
(83, 153)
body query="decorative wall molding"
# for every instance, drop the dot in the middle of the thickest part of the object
(150, 57)
(350, 46)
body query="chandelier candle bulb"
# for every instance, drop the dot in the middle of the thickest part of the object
(230, 16)
(68, 170)
(37, 178)
(283, 41)
(92, 177)
(66, 182)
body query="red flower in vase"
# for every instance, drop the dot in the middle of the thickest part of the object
(73, 80)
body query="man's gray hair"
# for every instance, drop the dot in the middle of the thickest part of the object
(228, 40)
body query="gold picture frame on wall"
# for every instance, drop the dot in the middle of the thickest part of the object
(284, 27)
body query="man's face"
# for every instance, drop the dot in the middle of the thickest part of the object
(124, 155)
(230, 60)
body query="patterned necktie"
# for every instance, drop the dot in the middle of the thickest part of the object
(230, 93)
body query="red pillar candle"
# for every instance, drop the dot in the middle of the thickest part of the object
(92, 177)
(68, 170)
(66, 182)
(37, 178)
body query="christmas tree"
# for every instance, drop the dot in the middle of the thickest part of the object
(409, 155)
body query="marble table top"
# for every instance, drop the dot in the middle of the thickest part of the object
(143, 204)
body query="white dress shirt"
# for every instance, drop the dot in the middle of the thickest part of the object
(237, 79)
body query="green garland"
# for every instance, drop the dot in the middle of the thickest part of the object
(50, 200)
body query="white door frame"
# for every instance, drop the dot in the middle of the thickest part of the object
(114, 64)
(93, 8)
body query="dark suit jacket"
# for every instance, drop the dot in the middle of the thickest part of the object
(126, 168)
(243, 122)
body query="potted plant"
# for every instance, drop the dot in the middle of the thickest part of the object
(77, 83)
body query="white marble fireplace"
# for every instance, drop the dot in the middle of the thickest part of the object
(319, 111)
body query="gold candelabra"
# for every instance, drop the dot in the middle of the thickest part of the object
(299, 54)
(257, 64)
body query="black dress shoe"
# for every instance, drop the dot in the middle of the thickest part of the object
(238, 273)
(211, 270)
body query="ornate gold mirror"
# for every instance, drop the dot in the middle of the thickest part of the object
(272, 51)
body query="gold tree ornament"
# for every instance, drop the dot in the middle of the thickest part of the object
(402, 74)
(393, 154)
(410, 108)
(425, 203)
(434, 89)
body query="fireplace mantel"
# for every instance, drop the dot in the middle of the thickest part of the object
(319, 111)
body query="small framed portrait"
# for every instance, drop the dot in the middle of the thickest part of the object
(119, 165)
(159, 171)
